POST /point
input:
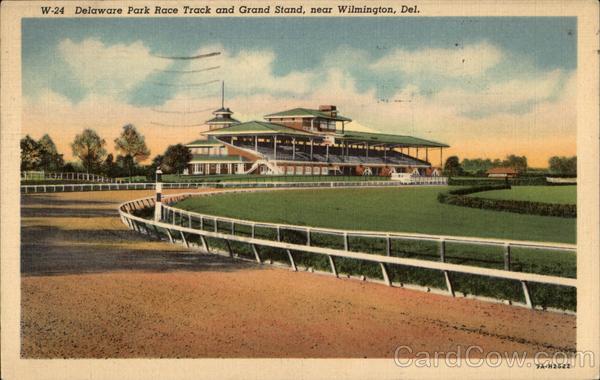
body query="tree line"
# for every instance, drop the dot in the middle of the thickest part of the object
(559, 165)
(92, 156)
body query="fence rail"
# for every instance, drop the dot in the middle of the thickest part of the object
(27, 189)
(71, 176)
(179, 224)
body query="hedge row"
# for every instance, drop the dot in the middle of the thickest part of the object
(519, 181)
(458, 198)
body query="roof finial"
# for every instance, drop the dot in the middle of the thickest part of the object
(222, 94)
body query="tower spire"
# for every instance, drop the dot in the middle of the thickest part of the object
(223, 94)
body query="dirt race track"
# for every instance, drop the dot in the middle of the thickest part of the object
(93, 289)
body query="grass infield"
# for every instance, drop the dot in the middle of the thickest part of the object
(405, 210)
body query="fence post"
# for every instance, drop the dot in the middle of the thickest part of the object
(204, 244)
(449, 283)
(292, 263)
(253, 230)
(184, 239)
(170, 235)
(346, 242)
(229, 248)
(525, 287)
(156, 232)
(507, 256)
(308, 237)
(216, 227)
(446, 273)
(443, 250)
(388, 245)
(332, 263)
(278, 234)
(386, 276)
(256, 255)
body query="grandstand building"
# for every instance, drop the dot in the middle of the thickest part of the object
(303, 141)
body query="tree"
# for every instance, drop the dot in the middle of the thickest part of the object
(89, 148)
(50, 159)
(563, 165)
(109, 167)
(476, 165)
(31, 156)
(517, 162)
(132, 144)
(452, 166)
(151, 169)
(175, 159)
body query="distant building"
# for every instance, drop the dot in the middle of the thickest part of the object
(303, 141)
(503, 173)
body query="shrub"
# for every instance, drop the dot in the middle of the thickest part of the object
(458, 198)
(519, 181)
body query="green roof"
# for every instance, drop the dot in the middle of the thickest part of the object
(213, 158)
(258, 128)
(222, 120)
(307, 112)
(385, 138)
(211, 141)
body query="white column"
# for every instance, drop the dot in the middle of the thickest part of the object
(275, 147)
(158, 200)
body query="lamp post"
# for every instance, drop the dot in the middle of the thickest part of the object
(158, 202)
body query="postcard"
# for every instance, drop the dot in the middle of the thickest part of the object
(294, 189)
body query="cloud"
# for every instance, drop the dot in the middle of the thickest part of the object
(532, 113)
(248, 72)
(467, 60)
(502, 96)
(109, 69)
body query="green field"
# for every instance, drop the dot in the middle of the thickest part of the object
(403, 210)
(383, 209)
(546, 194)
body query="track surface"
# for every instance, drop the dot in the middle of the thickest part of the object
(93, 289)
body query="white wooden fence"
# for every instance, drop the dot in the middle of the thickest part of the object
(179, 224)
(73, 176)
(27, 189)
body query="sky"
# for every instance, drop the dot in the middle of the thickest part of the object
(488, 87)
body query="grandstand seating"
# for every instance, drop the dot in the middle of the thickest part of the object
(355, 156)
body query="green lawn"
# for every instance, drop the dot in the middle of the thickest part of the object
(383, 209)
(404, 210)
(547, 194)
